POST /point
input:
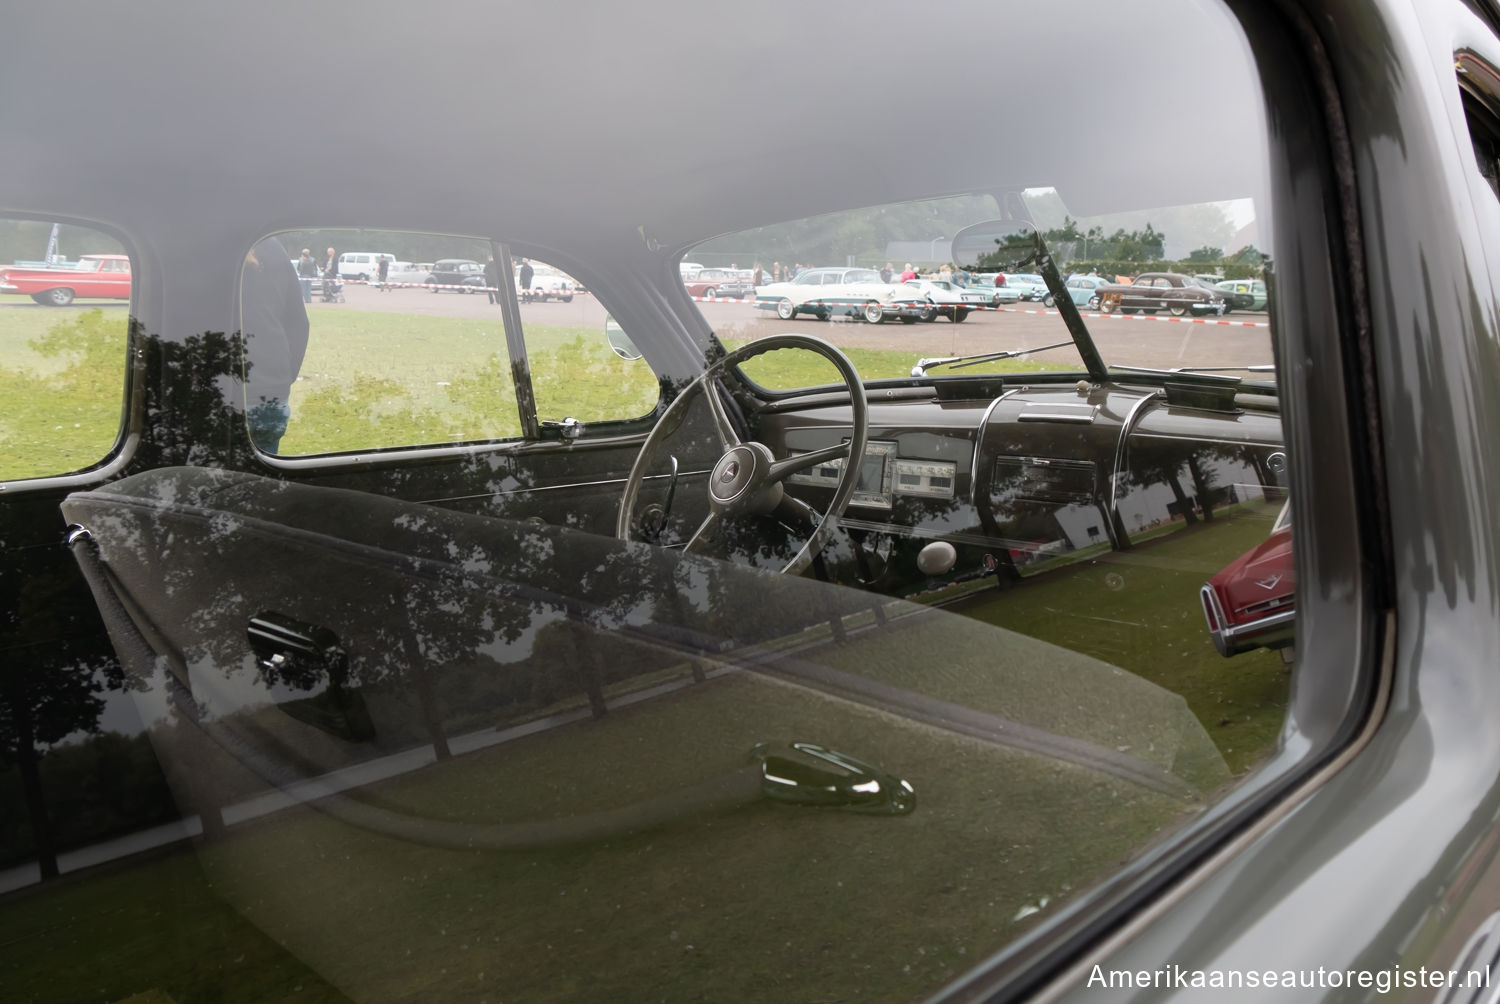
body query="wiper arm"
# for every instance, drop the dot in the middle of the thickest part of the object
(959, 362)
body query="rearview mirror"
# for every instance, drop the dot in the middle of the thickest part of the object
(619, 341)
(996, 246)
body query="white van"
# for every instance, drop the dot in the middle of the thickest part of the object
(361, 264)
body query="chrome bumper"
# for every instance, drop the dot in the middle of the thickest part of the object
(1270, 631)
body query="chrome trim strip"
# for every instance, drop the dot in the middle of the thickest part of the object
(1131, 418)
(984, 423)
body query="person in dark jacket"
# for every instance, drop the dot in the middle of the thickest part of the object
(307, 271)
(526, 274)
(492, 279)
(274, 327)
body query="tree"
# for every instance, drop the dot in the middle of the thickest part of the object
(1206, 254)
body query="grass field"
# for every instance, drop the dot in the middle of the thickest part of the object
(370, 379)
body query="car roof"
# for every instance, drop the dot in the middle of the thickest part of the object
(159, 177)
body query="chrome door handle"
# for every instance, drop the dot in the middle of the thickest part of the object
(852, 785)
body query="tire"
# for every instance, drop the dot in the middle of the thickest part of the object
(785, 310)
(873, 313)
(59, 297)
(959, 314)
(1128, 310)
(908, 319)
(710, 293)
(1177, 309)
(566, 299)
(1049, 301)
(1093, 303)
(928, 315)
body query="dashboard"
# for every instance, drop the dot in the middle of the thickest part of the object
(1035, 472)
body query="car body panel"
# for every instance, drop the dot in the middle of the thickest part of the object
(104, 276)
(1367, 840)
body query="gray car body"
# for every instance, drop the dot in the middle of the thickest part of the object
(1371, 840)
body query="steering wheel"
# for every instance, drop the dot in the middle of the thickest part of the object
(747, 480)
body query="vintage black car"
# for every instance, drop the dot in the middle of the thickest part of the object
(430, 648)
(1173, 292)
(458, 274)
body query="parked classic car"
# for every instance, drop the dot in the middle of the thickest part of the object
(719, 282)
(946, 299)
(1253, 290)
(431, 650)
(1173, 292)
(1251, 602)
(1084, 289)
(848, 292)
(461, 272)
(92, 276)
(548, 283)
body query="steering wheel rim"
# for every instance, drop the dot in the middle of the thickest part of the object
(747, 479)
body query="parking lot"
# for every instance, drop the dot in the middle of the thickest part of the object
(1137, 340)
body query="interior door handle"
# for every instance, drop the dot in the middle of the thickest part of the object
(824, 777)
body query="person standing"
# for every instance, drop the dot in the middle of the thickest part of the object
(383, 271)
(908, 273)
(307, 271)
(492, 279)
(526, 275)
(275, 329)
(330, 275)
(887, 272)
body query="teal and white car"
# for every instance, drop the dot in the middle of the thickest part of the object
(1255, 288)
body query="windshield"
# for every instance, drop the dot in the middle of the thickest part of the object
(1004, 322)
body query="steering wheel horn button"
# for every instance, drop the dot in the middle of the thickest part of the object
(741, 481)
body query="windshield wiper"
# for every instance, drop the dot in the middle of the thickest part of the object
(959, 362)
(1258, 368)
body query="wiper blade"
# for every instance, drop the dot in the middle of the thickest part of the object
(959, 362)
(1258, 368)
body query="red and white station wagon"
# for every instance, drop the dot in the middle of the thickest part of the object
(93, 275)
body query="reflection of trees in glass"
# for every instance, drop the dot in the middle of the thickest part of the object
(51, 685)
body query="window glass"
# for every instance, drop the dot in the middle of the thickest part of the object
(390, 354)
(64, 323)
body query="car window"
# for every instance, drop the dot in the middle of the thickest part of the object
(348, 365)
(64, 327)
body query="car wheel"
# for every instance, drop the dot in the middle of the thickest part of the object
(566, 299)
(1178, 309)
(908, 319)
(928, 314)
(959, 314)
(785, 310)
(873, 313)
(59, 297)
(1105, 306)
(1048, 301)
(1128, 310)
(1093, 303)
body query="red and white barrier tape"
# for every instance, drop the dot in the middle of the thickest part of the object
(534, 291)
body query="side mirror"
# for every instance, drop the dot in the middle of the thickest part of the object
(619, 341)
(996, 246)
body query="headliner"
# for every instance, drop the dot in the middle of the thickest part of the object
(563, 124)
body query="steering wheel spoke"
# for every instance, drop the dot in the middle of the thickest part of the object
(727, 436)
(705, 530)
(746, 482)
(802, 461)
